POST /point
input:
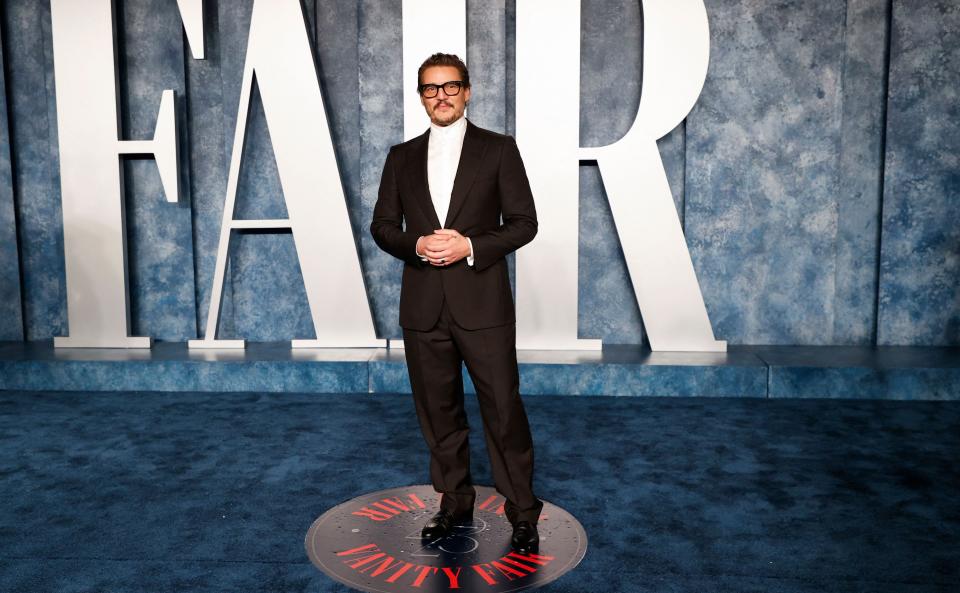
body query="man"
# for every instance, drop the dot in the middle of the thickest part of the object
(451, 186)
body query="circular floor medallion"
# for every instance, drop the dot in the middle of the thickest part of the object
(372, 543)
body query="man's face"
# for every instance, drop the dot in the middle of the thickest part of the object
(444, 109)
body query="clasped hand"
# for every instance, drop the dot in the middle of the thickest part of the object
(443, 247)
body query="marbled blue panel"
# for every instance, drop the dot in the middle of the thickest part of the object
(510, 107)
(339, 65)
(28, 56)
(643, 381)
(381, 126)
(920, 257)
(673, 151)
(275, 377)
(159, 234)
(11, 320)
(607, 305)
(485, 58)
(270, 368)
(611, 48)
(510, 68)
(388, 373)
(762, 170)
(909, 373)
(233, 23)
(268, 298)
(209, 154)
(309, 8)
(259, 195)
(861, 166)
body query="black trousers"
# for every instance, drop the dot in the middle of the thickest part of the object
(434, 361)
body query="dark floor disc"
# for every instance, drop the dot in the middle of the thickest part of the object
(372, 543)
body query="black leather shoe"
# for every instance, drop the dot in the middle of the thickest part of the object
(442, 523)
(525, 538)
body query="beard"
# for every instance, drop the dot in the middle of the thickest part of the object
(443, 117)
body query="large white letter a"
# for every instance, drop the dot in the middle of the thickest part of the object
(279, 54)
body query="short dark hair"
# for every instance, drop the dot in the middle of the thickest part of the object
(441, 59)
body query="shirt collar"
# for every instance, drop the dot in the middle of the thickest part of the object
(453, 131)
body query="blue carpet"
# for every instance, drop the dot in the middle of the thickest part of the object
(200, 492)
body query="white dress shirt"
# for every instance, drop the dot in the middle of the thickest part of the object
(443, 158)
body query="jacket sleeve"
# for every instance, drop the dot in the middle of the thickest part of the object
(518, 214)
(387, 225)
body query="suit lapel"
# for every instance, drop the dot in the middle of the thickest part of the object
(418, 177)
(471, 155)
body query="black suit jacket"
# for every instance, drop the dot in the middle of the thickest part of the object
(490, 184)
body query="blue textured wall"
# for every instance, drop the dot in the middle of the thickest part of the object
(920, 253)
(31, 113)
(816, 178)
(861, 171)
(160, 248)
(11, 319)
(762, 170)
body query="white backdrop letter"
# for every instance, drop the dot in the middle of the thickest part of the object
(279, 56)
(676, 53)
(548, 134)
(676, 50)
(94, 240)
(429, 26)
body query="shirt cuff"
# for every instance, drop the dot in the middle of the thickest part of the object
(470, 257)
(422, 257)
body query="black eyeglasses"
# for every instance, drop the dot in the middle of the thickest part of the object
(451, 88)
